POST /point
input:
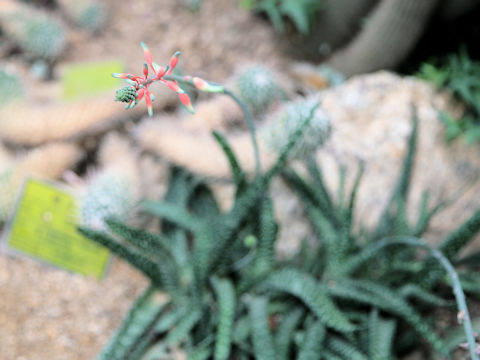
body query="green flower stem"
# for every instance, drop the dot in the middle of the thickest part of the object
(251, 127)
(457, 287)
(246, 113)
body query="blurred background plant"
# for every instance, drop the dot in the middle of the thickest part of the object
(460, 74)
(10, 86)
(300, 13)
(38, 34)
(90, 15)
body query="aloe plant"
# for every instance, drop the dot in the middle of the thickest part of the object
(350, 295)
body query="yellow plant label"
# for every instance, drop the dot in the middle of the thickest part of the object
(89, 79)
(44, 227)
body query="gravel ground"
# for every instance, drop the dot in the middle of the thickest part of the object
(47, 313)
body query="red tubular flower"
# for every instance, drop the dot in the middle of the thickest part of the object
(140, 94)
(138, 85)
(148, 54)
(148, 100)
(203, 85)
(185, 99)
(173, 62)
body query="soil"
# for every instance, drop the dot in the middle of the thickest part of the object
(214, 41)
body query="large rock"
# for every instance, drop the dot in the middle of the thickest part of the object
(372, 120)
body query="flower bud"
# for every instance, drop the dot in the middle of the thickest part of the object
(126, 94)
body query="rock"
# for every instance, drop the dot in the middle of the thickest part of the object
(372, 119)
(55, 304)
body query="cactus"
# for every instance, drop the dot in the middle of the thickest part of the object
(393, 29)
(109, 194)
(287, 120)
(33, 124)
(10, 86)
(38, 34)
(333, 27)
(258, 87)
(90, 15)
(114, 190)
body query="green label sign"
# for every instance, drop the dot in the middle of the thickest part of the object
(88, 79)
(44, 227)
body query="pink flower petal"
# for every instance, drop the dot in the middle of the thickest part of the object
(206, 86)
(159, 70)
(185, 100)
(140, 94)
(148, 55)
(148, 100)
(173, 62)
(173, 85)
(145, 70)
(199, 83)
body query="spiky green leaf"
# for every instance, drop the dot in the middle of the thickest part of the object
(226, 300)
(369, 292)
(144, 264)
(344, 348)
(171, 212)
(312, 293)
(312, 346)
(144, 240)
(139, 321)
(285, 332)
(465, 233)
(263, 344)
(380, 336)
(184, 326)
(238, 174)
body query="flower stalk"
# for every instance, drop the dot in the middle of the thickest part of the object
(207, 86)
